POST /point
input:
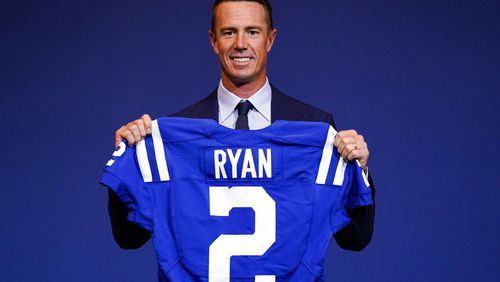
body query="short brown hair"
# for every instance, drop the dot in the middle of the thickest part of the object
(264, 3)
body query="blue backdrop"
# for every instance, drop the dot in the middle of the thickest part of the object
(420, 79)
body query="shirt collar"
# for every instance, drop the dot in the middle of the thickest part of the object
(261, 100)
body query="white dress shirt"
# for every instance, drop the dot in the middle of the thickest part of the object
(258, 117)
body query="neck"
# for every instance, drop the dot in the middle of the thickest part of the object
(244, 90)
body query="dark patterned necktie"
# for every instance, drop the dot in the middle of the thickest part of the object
(242, 121)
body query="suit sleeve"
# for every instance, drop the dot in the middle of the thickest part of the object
(127, 235)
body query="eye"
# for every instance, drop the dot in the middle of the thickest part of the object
(228, 33)
(253, 32)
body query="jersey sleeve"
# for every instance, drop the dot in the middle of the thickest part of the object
(359, 191)
(128, 174)
(136, 173)
(346, 179)
(354, 191)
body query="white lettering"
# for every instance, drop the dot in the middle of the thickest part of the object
(219, 162)
(265, 163)
(234, 161)
(248, 165)
(243, 163)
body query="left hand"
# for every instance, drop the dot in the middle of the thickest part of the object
(352, 146)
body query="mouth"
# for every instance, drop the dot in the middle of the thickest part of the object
(241, 60)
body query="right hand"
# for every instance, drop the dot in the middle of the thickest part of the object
(134, 131)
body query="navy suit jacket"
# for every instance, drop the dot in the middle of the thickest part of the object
(354, 236)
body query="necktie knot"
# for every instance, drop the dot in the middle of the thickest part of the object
(244, 107)
(242, 121)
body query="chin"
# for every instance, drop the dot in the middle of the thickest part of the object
(243, 79)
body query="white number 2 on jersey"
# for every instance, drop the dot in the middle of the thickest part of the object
(117, 153)
(223, 200)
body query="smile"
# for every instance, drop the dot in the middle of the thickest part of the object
(241, 59)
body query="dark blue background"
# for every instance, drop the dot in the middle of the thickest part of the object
(420, 79)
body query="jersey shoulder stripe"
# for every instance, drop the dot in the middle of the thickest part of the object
(151, 156)
(142, 159)
(161, 160)
(326, 157)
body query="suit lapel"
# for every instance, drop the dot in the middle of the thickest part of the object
(212, 106)
(282, 106)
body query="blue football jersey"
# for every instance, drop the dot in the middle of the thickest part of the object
(231, 205)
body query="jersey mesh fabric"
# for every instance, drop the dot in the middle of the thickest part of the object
(173, 202)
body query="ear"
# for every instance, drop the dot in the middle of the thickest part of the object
(270, 39)
(213, 41)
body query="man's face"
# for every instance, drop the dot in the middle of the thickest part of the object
(242, 39)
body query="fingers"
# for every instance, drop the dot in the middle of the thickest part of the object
(344, 134)
(147, 123)
(118, 139)
(360, 153)
(123, 133)
(354, 152)
(133, 127)
(141, 128)
(134, 131)
(352, 146)
(346, 142)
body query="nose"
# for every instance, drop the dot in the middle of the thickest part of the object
(241, 42)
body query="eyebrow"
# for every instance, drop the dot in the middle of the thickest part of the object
(253, 27)
(246, 28)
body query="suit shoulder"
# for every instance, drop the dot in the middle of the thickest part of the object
(206, 108)
(288, 108)
(305, 107)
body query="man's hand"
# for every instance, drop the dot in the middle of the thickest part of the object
(352, 146)
(134, 131)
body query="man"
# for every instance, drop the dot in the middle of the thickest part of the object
(242, 36)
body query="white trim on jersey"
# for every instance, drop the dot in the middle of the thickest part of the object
(161, 161)
(326, 158)
(265, 278)
(367, 183)
(142, 158)
(340, 172)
